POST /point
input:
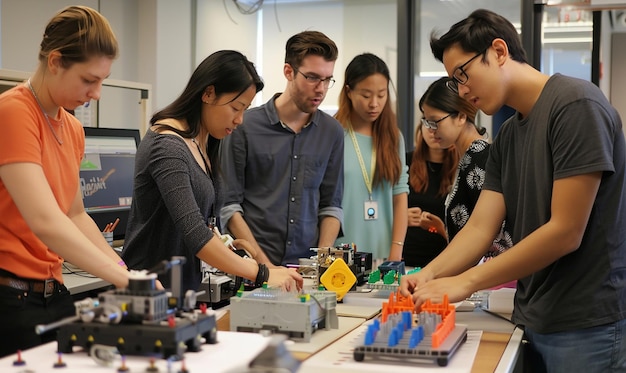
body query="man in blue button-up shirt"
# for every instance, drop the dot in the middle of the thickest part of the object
(284, 165)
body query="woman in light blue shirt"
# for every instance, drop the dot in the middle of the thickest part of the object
(375, 172)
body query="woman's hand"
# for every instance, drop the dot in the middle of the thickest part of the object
(415, 216)
(433, 224)
(423, 219)
(285, 278)
(159, 285)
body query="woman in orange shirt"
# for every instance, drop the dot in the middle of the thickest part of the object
(43, 218)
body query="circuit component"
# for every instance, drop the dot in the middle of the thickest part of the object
(431, 334)
(140, 319)
(298, 315)
(387, 278)
(338, 278)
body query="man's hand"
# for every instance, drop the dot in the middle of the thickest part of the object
(408, 283)
(454, 287)
(421, 286)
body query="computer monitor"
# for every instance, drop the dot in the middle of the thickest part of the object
(106, 175)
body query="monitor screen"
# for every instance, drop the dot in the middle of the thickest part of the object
(106, 175)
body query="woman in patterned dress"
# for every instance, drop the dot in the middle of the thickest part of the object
(452, 120)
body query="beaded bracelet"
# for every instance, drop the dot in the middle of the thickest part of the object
(262, 275)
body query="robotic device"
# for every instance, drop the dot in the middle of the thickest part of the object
(296, 315)
(139, 320)
(359, 263)
(431, 335)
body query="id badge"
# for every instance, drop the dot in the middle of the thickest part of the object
(370, 210)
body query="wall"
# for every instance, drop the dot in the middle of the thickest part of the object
(159, 46)
(172, 42)
(161, 41)
(220, 26)
(262, 36)
(22, 30)
(159, 56)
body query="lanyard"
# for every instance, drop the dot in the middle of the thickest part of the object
(368, 181)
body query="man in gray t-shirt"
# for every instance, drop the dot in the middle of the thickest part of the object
(557, 173)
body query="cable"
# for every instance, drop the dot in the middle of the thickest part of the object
(276, 16)
(253, 8)
(318, 303)
(228, 13)
(496, 315)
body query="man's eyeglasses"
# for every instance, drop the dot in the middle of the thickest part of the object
(315, 80)
(460, 75)
(433, 124)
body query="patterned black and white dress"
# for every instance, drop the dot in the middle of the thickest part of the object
(460, 202)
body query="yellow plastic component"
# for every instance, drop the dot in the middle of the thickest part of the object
(338, 278)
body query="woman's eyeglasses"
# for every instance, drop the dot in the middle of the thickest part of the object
(433, 124)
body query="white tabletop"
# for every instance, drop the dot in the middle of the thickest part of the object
(233, 352)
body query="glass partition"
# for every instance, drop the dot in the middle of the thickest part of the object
(566, 40)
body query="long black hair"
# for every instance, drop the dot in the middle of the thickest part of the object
(440, 97)
(227, 71)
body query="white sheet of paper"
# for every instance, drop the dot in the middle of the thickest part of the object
(338, 358)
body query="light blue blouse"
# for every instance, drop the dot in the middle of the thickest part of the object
(369, 235)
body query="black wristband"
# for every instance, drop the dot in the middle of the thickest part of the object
(262, 275)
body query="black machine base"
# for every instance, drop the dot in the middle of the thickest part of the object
(162, 340)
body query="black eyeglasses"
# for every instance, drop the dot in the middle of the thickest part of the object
(433, 124)
(460, 75)
(315, 80)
